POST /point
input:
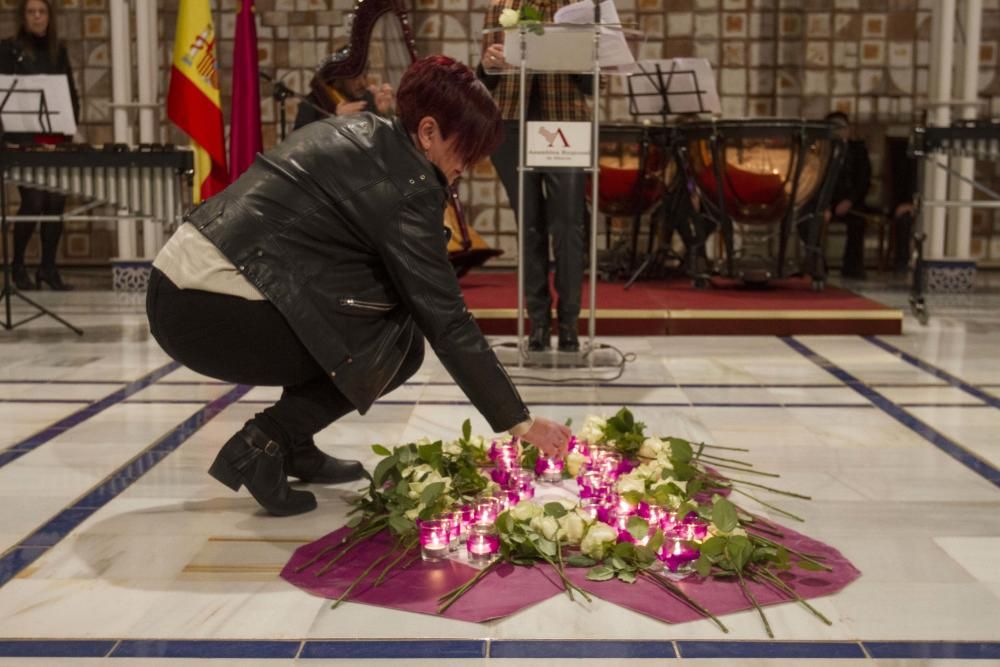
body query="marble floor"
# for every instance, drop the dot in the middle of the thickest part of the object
(117, 546)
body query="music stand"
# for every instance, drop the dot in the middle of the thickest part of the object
(680, 86)
(31, 119)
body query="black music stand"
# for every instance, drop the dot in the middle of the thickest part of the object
(656, 101)
(44, 118)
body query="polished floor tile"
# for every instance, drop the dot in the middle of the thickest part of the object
(164, 552)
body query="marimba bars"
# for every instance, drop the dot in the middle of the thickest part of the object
(149, 182)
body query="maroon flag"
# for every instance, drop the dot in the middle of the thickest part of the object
(244, 122)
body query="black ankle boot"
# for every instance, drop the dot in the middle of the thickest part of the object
(50, 276)
(539, 338)
(569, 341)
(251, 459)
(21, 278)
(311, 465)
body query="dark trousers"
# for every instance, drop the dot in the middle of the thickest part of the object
(854, 247)
(250, 342)
(39, 202)
(902, 242)
(553, 205)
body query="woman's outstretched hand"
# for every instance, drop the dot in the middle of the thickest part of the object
(550, 437)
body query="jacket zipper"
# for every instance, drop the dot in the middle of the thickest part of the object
(370, 305)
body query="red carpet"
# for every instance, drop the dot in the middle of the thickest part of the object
(674, 307)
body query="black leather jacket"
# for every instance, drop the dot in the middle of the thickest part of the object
(340, 227)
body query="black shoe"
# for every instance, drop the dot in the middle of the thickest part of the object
(251, 459)
(569, 341)
(50, 276)
(539, 341)
(21, 278)
(853, 274)
(311, 465)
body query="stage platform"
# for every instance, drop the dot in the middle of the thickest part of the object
(674, 307)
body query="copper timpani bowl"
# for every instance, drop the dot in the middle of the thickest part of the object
(631, 183)
(761, 163)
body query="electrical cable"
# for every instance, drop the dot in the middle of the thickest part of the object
(623, 359)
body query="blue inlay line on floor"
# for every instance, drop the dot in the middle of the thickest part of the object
(21, 448)
(989, 399)
(472, 649)
(55, 529)
(970, 460)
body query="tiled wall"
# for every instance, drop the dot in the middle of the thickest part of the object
(772, 58)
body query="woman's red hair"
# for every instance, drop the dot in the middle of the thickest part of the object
(449, 92)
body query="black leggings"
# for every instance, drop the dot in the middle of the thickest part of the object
(39, 202)
(250, 342)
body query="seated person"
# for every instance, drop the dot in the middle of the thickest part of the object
(849, 194)
(342, 97)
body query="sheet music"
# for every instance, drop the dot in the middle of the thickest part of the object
(613, 50)
(25, 96)
(682, 77)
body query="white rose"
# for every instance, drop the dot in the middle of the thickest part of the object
(592, 430)
(526, 511)
(509, 18)
(546, 525)
(599, 538)
(651, 447)
(415, 489)
(572, 527)
(452, 449)
(629, 483)
(584, 516)
(412, 514)
(575, 461)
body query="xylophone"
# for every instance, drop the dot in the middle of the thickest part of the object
(151, 181)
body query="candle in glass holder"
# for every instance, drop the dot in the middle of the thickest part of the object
(485, 511)
(549, 469)
(483, 544)
(609, 464)
(590, 506)
(522, 482)
(677, 553)
(435, 537)
(592, 484)
(454, 519)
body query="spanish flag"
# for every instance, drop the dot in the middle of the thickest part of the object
(194, 102)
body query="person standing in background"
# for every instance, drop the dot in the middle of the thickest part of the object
(36, 49)
(553, 201)
(849, 192)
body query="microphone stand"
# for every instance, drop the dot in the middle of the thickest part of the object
(280, 93)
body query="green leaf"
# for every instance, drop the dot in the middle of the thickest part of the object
(546, 547)
(382, 469)
(529, 13)
(624, 550)
(739, 550)
(644, 555)
(638, 527)
(600, 573)
(655, 542)
(632, 498)
(381, 451)
(355, 521)
(431, 492)
(680, 450)
(400, 524)
(703, 565)
(405, 454)
(617, 563)
(580, 560)
(627, 419)
(724, 515)
(555, 510)
(428, 453)
(467, 430)
(809, 565)
(627, 577)
(713, 546)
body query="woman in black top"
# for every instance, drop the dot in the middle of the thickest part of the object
(36, 49)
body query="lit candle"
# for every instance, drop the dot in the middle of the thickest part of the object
(549, 469)
(435, 536)
(592, 484)
(522, 482)
(485, 511)
(483, 544)
(676, 552)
